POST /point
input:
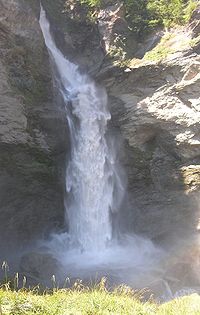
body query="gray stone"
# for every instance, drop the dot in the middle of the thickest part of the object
(39, 267)
(155, 106)
(33, 133)
(160, 290)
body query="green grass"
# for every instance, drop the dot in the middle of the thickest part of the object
(175, 41)
(192, 5)
(162, 50)
(195, 41)
(96, 301)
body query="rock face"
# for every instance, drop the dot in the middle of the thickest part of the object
(156, 107)
(79, 40)
(33, 138)
(38, 267)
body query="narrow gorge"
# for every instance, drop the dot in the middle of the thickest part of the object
(100, 147)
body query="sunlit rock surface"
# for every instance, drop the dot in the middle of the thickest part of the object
(155, 106)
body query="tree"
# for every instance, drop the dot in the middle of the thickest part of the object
(167, 12)
(137, 15)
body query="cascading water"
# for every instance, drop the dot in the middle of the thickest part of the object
(91, 175)
(93, 184)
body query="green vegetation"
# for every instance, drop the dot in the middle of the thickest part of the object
(162, 50)
(171, 42)
(84, 301)
(91, 3)
(145, 15)
(16, 299)
(189, 9)
(166, 12)
(195, 41)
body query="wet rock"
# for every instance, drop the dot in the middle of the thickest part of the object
(39, 267)
(160, 290)
(182, 269)
(33, 134)
(187, 291)
(75, 35)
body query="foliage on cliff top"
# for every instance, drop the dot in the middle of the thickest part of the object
(85, 301)
(144, 15)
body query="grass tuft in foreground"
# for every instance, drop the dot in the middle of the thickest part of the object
(82, 300)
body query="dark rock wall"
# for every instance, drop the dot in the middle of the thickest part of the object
(33, 133)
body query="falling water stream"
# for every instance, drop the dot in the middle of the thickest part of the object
(94, 187)
(91, 175)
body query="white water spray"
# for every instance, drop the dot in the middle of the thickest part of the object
(91, 176)
(93, 186)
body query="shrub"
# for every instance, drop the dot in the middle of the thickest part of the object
(167, 12)
(144, 15)
(192, 5)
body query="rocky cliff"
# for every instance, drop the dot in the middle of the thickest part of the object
(154, 101)
(155, 104)
(33, 138)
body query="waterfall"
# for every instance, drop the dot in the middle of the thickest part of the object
(94, 188)
(91, 176)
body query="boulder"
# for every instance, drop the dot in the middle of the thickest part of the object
(183, 268)
(39, 267)
(160, 290)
